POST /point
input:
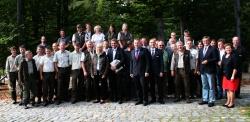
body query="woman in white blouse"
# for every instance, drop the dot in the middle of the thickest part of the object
(98, 37)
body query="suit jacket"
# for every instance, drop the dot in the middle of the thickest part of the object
(211, 57)
(23, 71)
(103, 64)
(139, 66)
(119, 55)
(156, 62)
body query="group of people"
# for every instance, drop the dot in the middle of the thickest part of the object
(115, 67)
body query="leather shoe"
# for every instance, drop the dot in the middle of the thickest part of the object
(177, 100)
(145, 103)
(203, 103)
(232, 106)
(210, 104)
(188, 101)
(138, 103)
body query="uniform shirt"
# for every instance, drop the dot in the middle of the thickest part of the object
(48, 64)
(62, 58)
(194, 57)
(37, 59)
(75, 60)
(98, 38)
(10, 64)
(18, 60)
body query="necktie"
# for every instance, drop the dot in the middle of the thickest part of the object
(152, 52)
(204, 50)
(137, 54)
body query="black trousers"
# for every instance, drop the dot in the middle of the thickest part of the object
(130, 87)
(156, 80)
(142, 87)
(48, 86)
(170, 84)
(63, 83)
(89, 88)
(12, 83)
(182, 79)
(237, 93)
(117, 85)
(39, 88)
(29, 89)
(100, 86)
(77, 79)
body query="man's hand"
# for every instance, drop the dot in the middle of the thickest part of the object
(146, 74)
(113, 68)
(161, 74)
(103, 76)
(85, 74)
(204, 62)
(131, 75)
(41, 77)
(172, 73)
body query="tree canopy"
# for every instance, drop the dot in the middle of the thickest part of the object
(146, 18)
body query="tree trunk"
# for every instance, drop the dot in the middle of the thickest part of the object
(160, 28)
(35, 18)
(20, 21)
(237, 16)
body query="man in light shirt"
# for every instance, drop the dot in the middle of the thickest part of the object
(47, 75)
(37, 58)
(61, 60)
(75, 62)
(180, 68)
(11, 72)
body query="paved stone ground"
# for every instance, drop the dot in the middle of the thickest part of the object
(113, 112)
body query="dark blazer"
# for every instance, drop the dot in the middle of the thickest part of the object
(156, 62)
(139, 66)
(104, 64)
(23, 71)
(119, 56)
(228, 65)
(212, 58)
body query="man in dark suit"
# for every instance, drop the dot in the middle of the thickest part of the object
(116, 81)
(139, 69)
(156, 71)
(240, 51)
(207, 60)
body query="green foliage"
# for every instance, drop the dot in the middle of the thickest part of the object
(45, 17)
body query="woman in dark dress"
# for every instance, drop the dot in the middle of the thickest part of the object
(230, 78)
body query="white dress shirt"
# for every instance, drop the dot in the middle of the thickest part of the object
(48, 64)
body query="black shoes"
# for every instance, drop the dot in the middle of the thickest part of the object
(14, 102)
(152, 101)
(177, 100)
(45, 104)
(161, 102)
(203, 103)
(58, 102)
(138, 103)
(96, 101)
(102, 102)
(145, 103)
(26, 106)
(120, 102)
(188, 101)
(210, 104)
(232, 106)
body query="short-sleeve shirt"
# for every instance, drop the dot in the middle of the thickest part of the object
(66, 40)
(75, 60)
(48, 64)
(37, 59)
(98, 38)
(62, 58)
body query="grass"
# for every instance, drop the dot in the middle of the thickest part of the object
(246, 110)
